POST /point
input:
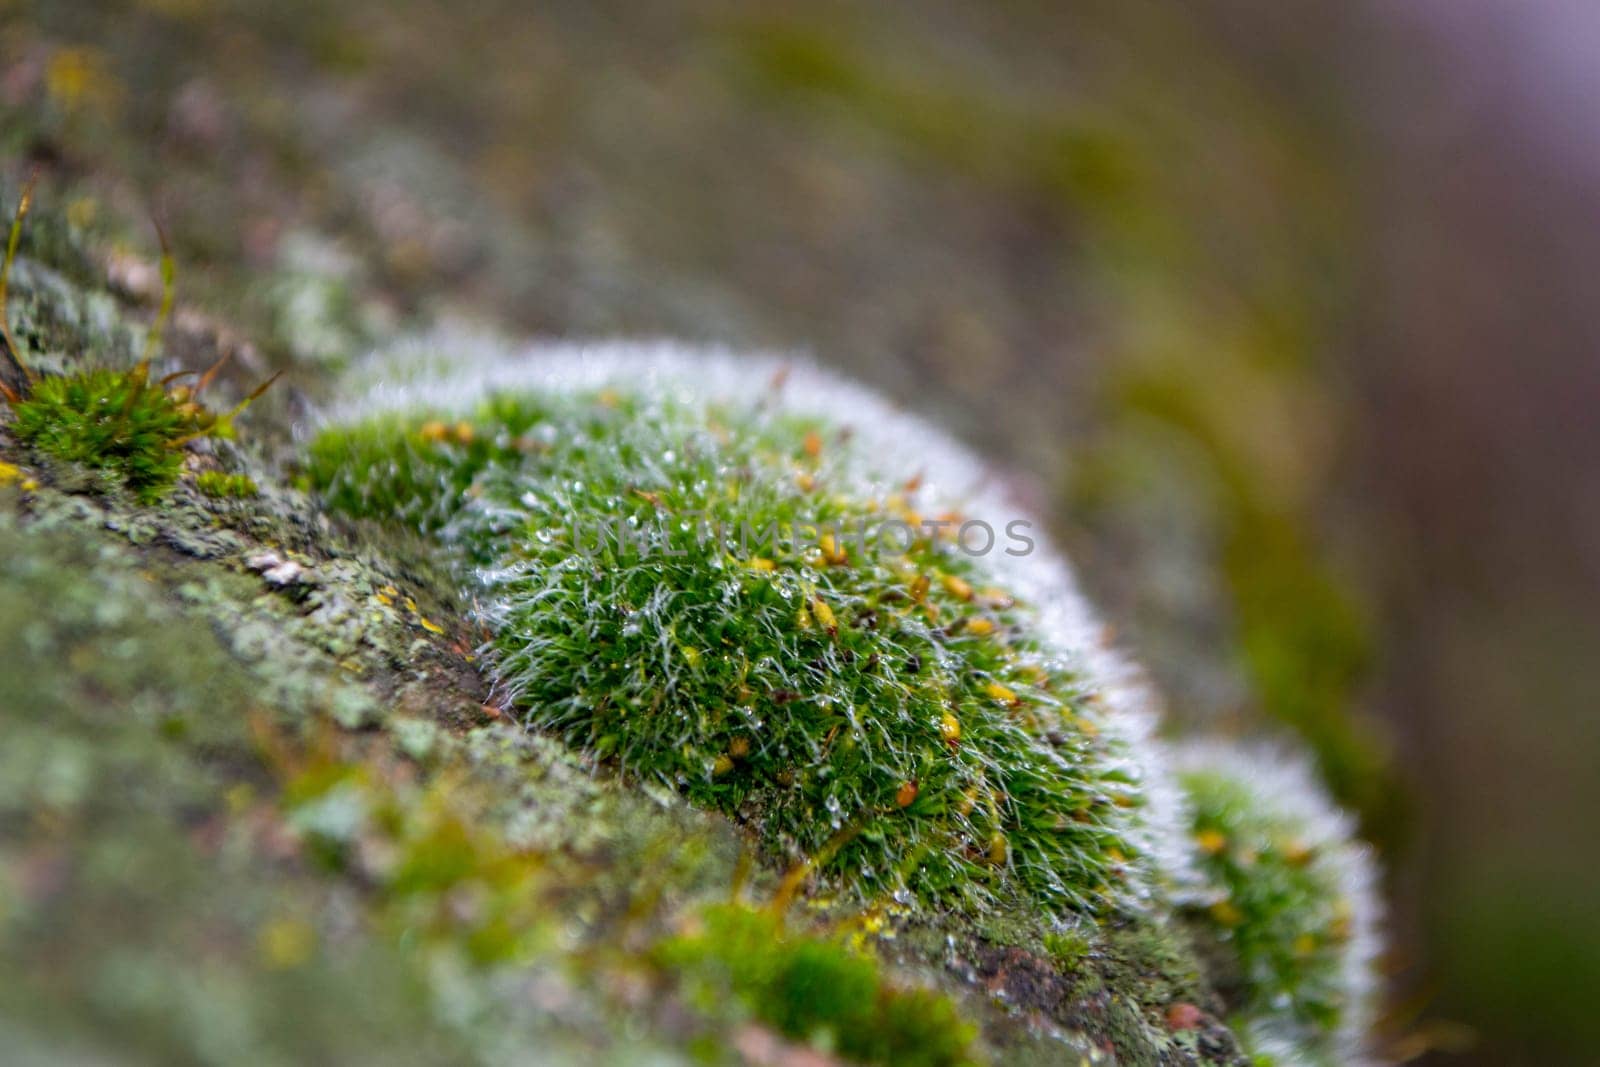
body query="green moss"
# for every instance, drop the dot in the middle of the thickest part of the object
(223, 486)
(891, 716)
(813, 989)
(1287, 912)
(114, 420)
(1067, 948)
(1280, 914)
(411, 471)
(183, 966)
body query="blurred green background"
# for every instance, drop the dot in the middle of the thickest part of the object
(1285, 313)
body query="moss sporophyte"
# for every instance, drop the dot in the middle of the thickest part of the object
(116, 420)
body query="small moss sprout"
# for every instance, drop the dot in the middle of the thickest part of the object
(120, 421)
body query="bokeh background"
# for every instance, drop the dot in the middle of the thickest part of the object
(1286, 313)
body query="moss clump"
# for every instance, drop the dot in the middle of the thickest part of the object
(1288, 904)
(883, 710)
(1067, 947)
(813, 989)
(226, 486)
(113, 420)
(119, 421)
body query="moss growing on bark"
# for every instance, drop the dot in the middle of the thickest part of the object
(714, 595)
(115, 420)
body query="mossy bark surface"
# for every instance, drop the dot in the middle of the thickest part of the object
(261, 804)
(259, 801)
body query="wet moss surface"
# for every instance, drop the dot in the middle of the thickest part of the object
(888, 712)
